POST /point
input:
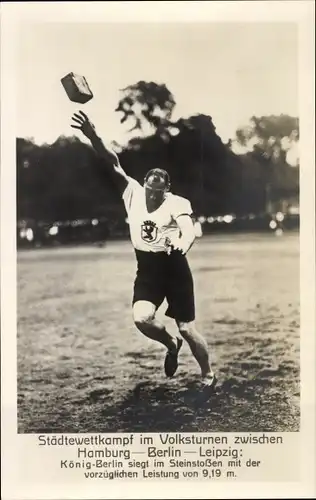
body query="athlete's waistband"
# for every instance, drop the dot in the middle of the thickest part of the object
(152, 257)
(148, 253)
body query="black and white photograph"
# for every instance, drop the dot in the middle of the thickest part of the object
(158, 228)
(157, 250)
(158, 215)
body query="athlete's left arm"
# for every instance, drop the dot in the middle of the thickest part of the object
(186, 240)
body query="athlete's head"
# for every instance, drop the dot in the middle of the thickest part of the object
(156, 183)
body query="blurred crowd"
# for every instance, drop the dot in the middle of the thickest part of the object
(31, 234)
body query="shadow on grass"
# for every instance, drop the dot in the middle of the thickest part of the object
(238, 404)
(165, 407)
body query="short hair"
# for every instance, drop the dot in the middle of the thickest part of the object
(158, 175)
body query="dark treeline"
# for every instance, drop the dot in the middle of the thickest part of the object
(65, 181)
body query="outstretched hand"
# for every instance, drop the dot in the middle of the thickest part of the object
(82, 122)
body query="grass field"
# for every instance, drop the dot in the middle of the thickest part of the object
(83, 366)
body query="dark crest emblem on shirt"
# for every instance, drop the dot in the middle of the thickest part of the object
(149, 231)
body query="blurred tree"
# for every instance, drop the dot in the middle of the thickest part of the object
(192, 153)
(200, 163)
(272, 135)
(269, 140)
(147, 103)
(60, 181)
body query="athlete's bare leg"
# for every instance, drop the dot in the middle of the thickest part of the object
(197, 345)
(144, 317)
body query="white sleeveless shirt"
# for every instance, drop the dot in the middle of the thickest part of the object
(149, 231)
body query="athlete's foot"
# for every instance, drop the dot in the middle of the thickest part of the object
(171, 360)
(209, 380)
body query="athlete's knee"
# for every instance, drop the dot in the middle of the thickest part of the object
(190, 333)
(187, 329)
(143, 313)
(143, 320)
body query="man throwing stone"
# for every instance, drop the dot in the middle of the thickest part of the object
(162, 232)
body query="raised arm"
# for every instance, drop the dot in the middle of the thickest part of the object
(111, 161)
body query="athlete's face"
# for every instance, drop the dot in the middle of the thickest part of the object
(154, 197)
(155, 189)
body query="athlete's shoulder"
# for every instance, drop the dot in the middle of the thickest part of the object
(175, 198)
(133, 182)
(132, 191)
(179, 205)
(132, 185)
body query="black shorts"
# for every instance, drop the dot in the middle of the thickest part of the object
(161, 276)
